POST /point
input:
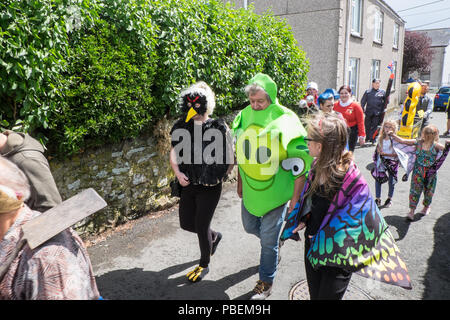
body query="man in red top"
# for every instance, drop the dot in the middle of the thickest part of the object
(353, 115)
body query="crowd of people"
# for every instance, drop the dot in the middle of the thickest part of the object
(293, 173)
(318, 178)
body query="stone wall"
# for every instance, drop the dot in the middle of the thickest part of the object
(132, 176)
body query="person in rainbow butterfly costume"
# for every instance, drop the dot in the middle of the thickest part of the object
(345, 231)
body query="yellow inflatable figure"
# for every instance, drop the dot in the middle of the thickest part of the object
(408, 129)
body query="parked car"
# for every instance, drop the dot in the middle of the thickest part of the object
(441, 98)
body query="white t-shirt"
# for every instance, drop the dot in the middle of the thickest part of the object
(388, 148)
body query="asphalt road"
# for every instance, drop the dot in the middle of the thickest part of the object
(148, 258)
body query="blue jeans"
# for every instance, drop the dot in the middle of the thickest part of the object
(391, 188)
(267, 228)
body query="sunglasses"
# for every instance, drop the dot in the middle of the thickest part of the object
(309, 139)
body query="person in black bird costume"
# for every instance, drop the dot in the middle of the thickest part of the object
(201, 158)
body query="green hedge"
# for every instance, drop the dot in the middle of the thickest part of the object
(107, 87)
(33, 49)
(124, 62)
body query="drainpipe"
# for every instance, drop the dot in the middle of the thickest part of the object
(245, 4)
(347, 41)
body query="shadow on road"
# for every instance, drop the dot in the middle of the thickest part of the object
(437, 277)
(400, 223)
(137, 284)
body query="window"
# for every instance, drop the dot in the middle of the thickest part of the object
(396, 35)
(378, 27)
(353, 71)
(356, 16)
(375, 70)
(444, 90)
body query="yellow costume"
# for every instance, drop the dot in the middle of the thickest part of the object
(408, 129)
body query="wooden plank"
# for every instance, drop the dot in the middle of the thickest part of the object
(61, 217)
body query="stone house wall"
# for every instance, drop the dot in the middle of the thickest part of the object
(132, 176)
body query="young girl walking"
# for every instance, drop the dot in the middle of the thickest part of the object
(345, 231)
(386, 163)
(429, 155)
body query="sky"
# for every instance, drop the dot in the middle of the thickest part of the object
(422, 14)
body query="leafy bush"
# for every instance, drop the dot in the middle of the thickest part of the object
(124, 64)
(33, 49)
(107, 85)
(225, 47)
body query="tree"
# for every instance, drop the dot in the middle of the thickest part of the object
(417, 54)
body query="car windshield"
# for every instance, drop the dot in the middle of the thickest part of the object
(444, 90)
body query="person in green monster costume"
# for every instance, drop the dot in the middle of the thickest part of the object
(273, 159)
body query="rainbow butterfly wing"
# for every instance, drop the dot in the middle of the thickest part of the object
(356, 237)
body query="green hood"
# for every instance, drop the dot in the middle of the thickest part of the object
(275, 118)
(267, 84)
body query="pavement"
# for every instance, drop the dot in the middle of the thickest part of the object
(147, 259)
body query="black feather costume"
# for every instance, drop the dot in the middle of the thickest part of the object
(203, 173)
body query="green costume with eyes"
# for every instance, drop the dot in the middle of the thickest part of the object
(271, 152)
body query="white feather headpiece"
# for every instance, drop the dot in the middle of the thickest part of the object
(200, 88)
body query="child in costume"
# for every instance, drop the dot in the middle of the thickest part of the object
(429, 156)
(386, 163)
(200, 178)
(345, 231)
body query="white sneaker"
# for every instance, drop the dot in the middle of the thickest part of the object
(262, 290)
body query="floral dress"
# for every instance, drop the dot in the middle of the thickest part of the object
(419, 181)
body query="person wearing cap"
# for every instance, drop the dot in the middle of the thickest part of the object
(373, 102)
(28, 154)
(59, 269)
(326, 102)
(312, 89)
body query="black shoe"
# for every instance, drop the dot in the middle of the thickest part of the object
(378, 202)
(388, 203)
(216, 242)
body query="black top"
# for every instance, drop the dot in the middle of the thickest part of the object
(375, 101)
(319, 208)
(209, 170)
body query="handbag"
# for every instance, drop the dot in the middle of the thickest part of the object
(175, 188)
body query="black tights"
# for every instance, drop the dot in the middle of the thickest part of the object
(352, 137)
(197, 206)
(325, 283)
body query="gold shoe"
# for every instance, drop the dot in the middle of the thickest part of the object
(197, 274)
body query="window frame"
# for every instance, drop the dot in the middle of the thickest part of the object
(358, 31)
(375, 69)
(378, 26)
(353, 76)
(396, 35)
